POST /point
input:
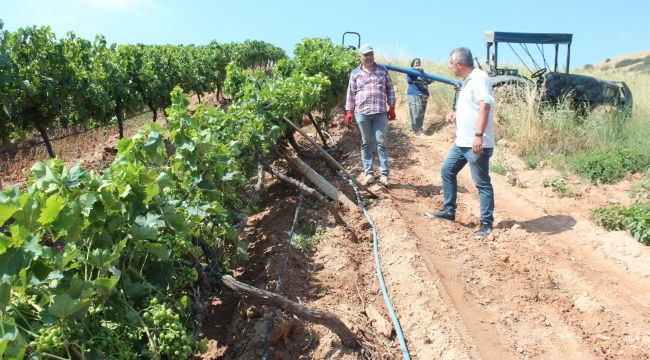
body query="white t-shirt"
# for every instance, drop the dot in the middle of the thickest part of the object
(475, 89)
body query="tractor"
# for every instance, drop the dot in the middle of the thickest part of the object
(553, 86)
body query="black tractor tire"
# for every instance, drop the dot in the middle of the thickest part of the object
(509, 87)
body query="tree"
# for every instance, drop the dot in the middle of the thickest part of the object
(44, 83)
(111, 68)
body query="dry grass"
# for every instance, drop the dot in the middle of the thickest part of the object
(542, 131)
(442, 95)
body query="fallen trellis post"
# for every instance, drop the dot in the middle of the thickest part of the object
(303, 187)
(322, 183)
(329, 158)
(321, 317)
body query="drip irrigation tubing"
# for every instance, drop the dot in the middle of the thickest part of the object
(278, 286)
(334, 148)
(380, 276)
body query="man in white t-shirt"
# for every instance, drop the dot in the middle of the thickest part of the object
(474, 118)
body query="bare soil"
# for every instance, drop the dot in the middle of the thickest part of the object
(94, 149)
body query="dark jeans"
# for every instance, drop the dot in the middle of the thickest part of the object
(480, 169)
(417, 108)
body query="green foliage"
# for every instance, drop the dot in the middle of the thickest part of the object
(532, 161)
(254, 54)
(607, 166)
(641, 190)
(291, 96)
(307, 243)
(107, 255)
(634, 219)
(47, 83)
(105, 265)
(499, 168)
(644, 66)
(498, 164)
(316, 56)
(560, 187)
(627, 62)
(51, 85)
(112, 69)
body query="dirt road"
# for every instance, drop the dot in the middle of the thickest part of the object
(546, 284)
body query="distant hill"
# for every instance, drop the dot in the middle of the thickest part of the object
(636, 62)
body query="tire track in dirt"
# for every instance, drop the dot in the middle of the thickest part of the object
(542, 286)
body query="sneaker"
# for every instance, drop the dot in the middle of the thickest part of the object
(483, 231)
(440, 215)
(370, 179)
(384, 180)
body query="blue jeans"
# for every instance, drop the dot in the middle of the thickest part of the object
(417, 108)
(480, 169)
(373, 127)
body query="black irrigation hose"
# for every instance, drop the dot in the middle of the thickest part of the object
(278, 287)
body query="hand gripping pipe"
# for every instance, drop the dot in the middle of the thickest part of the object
(384, 291)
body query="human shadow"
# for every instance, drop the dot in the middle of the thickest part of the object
(547, 224)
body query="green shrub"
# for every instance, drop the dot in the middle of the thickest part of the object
(498, 163)
(532, 161)
(499, 167)
(641, 190)
(307, 243)
(608, 166)
(560, 187)
(644, 66)
(634, 219)
(627, 62)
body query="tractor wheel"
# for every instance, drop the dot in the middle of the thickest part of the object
(509, 88)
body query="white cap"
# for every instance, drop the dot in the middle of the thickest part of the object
(364, 49)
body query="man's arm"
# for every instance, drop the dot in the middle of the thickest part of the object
(390, 91)
(481, 125)
(352, 90)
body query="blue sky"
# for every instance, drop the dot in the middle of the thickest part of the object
(428, 29)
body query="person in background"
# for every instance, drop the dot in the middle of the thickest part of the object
(370, 91)
(474, 118)
(417, 94)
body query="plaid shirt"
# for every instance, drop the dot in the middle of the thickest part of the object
(368, 92)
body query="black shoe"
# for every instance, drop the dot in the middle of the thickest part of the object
(441, 215)
(483, 231)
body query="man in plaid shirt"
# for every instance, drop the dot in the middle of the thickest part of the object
(369, 90)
